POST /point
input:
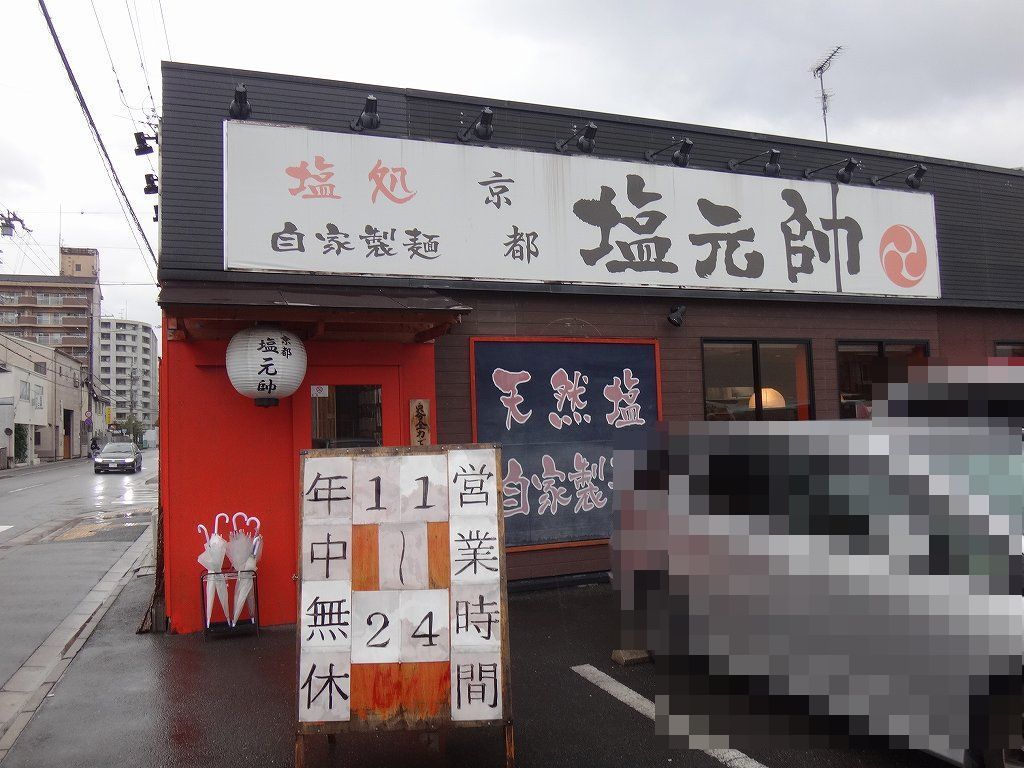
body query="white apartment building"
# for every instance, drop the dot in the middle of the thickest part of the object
(128, 369)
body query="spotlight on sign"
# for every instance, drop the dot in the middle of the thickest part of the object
(585, 143)
(844, 175)
(151, 188)
(771, 168)
(368, 119)
(482, 129)
(266, 363)
(142, 144)
(676, 314)
(239, 108)
(913, 181)
(681, 157)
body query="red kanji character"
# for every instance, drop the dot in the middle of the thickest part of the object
(516, 490)
(302, 173)
(622, 394)
(569, 391)
(551, 496)
(395, 177)
(508, 382)
(588, 495)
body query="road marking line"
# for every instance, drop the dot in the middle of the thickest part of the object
(5, 528)
(730, 757)
(15, 490)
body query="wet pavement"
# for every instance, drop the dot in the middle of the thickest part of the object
(134, 700)
(62, 528)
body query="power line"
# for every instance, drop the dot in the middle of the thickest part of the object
(138, 47)
(111, 170)
(163, 21)
(117, 79)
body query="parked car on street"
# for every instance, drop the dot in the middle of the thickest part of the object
(118, 457)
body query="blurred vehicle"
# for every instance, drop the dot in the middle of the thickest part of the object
(118, 457)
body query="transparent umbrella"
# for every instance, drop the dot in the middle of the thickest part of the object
(212, 559)
(240, 540)
(243, 588)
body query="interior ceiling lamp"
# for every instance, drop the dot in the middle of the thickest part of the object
(482, 129)
(676, 314)
(368, 119)
(771, 168)
(844, 174)
(584, 143)
(680, 157)
(239, 108)
(913, 180)
(142, 144)
(770, 398)
(151, 188)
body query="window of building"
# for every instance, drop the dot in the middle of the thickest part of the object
(7, 297)
(863, 363)
(757, 380)
(26, 391)
(38, 438)
(37, 396)
(78, 267)
(40, 367)
(1010, 349)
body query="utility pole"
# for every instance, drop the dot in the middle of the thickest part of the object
(819, 73)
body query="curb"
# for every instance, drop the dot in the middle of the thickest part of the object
(27, 688)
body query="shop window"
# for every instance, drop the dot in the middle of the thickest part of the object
(757, 381)
(863, 363)
(1010, 349)
(348, 417)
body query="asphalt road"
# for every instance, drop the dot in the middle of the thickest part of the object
(62, 527)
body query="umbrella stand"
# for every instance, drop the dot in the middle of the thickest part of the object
(230, 578)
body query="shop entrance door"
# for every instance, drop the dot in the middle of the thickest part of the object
(354, 407)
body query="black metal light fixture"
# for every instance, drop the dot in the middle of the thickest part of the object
(585, 143)
(482, 129)
(844, 174)
(240, 108)
(368, 119)
(676, 314)
(151, 188)
(913, 180)
(680, 157)
(142, 144)
(771, 168)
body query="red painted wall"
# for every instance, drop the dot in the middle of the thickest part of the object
(220, 453)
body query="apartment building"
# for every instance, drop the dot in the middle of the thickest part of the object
(128, 369)
(60, 311)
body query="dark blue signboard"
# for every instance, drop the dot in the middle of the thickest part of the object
(557, 409)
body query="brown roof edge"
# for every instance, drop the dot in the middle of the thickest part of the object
(326, 298)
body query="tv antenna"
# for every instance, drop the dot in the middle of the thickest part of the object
(819, 72)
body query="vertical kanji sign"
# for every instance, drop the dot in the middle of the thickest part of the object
(402, 614)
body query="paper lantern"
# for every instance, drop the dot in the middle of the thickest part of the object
(266, 363)
(770, 398)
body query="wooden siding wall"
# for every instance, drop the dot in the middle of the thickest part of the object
(957, 336)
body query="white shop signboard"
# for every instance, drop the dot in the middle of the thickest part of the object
(298, 200)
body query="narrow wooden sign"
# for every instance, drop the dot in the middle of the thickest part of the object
(419, 422)
(403, 620)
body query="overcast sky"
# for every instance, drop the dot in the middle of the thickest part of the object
(928, 77)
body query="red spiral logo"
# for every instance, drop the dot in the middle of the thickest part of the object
(903, 256)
